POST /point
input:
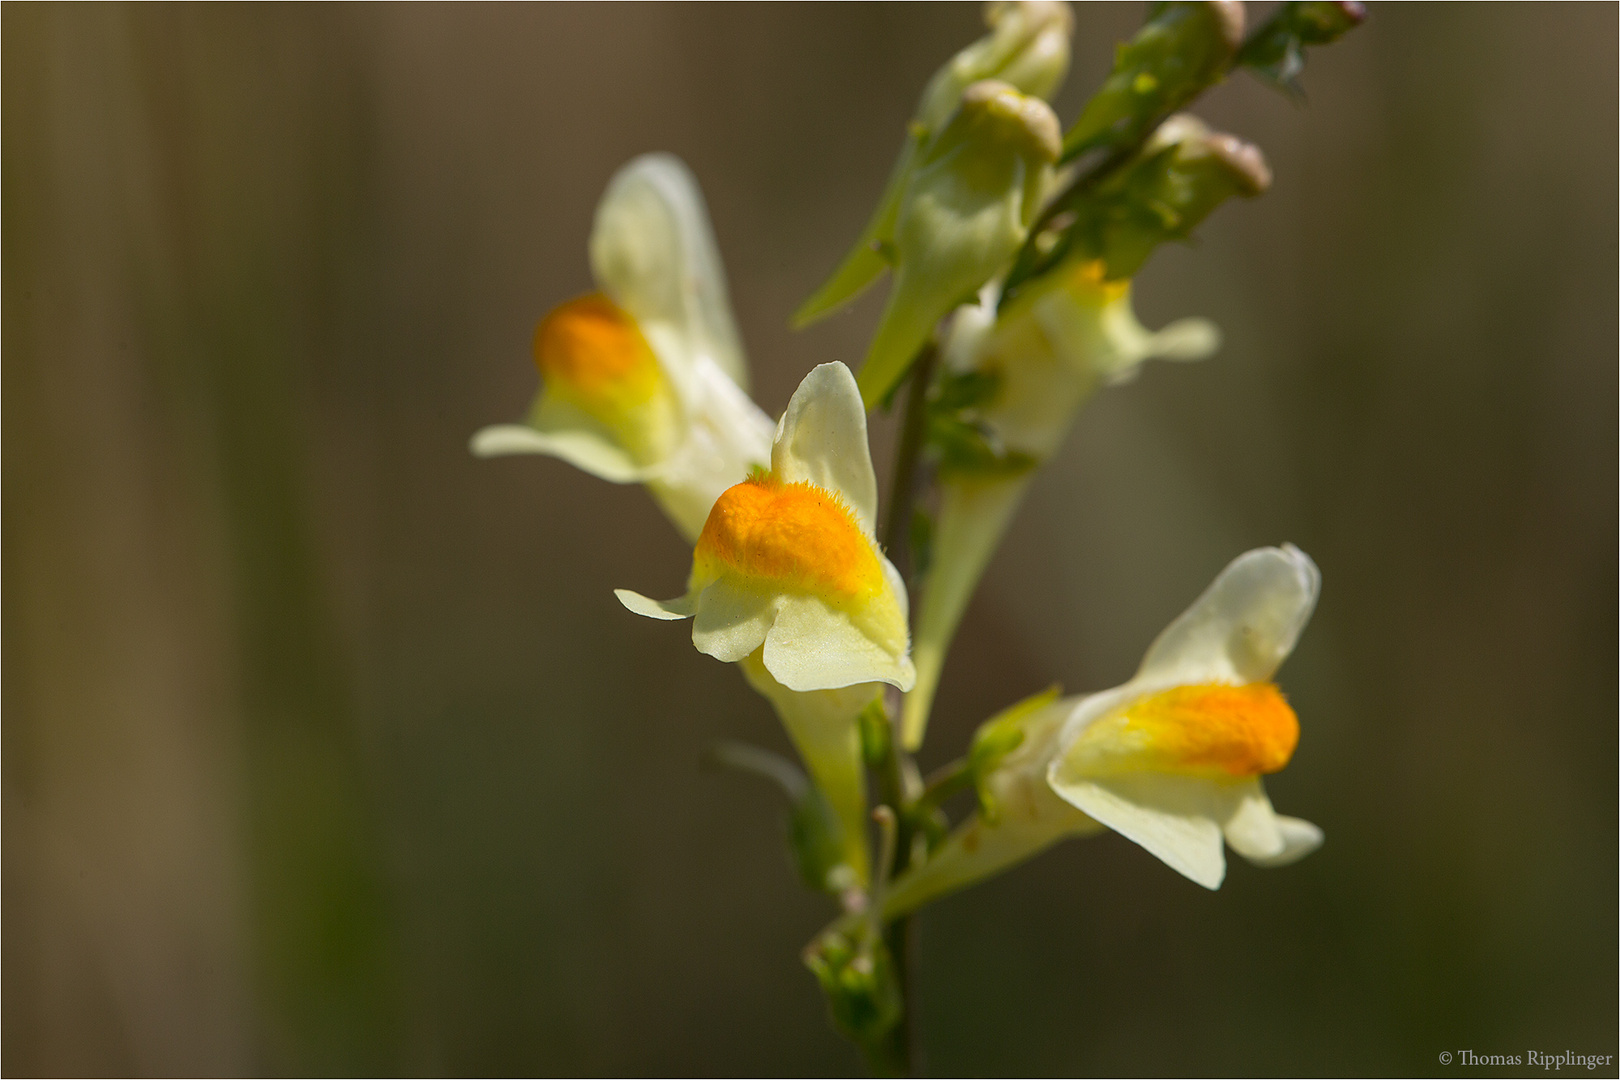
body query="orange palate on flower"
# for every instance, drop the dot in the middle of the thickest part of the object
(1239, 730)
(797, 536)
(591, 352)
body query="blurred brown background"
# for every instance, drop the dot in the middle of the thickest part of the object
(327, 749)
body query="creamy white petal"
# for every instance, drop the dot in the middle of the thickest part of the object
(727, 425)
(1103, 337)
(1251, 829)
(582, 448)
(653, 252)
(1185, 339)
(1243, 626)
(971, 325)
(813, 646)
(682, 607)
(1299, 837)
(1172, 817)
(1090, 708)
(726, 436)
(897, 589)
(822, 439)
(732, 621)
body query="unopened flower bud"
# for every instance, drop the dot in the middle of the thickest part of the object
(995, 740)
(857, 975)
(1183, 172)
(966, 209)
(1027, 48)
(1182, 50)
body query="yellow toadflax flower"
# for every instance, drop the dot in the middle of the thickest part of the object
(1171, 760)
(788, 580)
(1045, 356)
(1022, 369)
(644, 381)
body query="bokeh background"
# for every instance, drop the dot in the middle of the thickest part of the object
(327, 749)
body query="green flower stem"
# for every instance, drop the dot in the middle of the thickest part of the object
(899, 1047)
(895, 1054)
(903, 490)
(941, 785)
(1033, 259)
(973, 517)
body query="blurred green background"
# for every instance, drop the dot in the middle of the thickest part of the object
(327, 749)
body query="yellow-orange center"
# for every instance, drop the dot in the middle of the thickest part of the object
(797, 536)
(1212, 729)
(593, 353)
(1089, 277)
(1241, 730)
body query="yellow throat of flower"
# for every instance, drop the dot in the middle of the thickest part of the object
(1087, 282)
(1214, 730)
(594, 357)
(802, 539)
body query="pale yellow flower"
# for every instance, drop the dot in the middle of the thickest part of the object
(788, 580)
(1171, 760)
(787, 562)
(645, 382)
(1047, 354)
